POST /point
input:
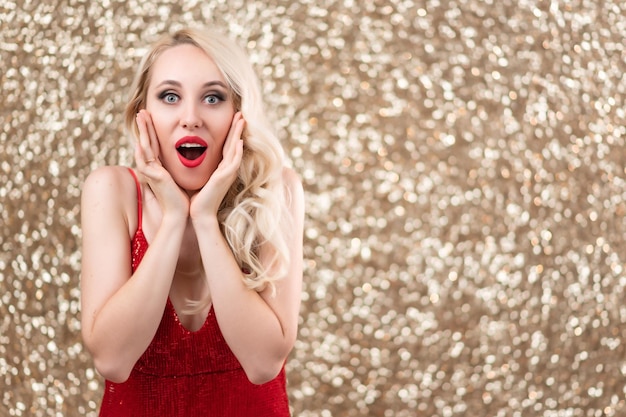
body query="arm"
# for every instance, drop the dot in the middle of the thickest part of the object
(120, 312)
(260, 329)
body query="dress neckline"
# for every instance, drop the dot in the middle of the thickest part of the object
(138, 232)
(170, 305)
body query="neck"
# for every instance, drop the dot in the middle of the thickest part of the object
(189, 269)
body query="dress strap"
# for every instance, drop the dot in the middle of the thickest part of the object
(139, 208)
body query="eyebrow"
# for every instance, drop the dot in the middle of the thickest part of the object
(207, 84)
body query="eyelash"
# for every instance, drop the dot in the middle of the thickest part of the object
(218, 97)
(163, 97)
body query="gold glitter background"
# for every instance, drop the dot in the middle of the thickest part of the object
(464, 167)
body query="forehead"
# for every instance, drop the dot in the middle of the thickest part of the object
(185, 64)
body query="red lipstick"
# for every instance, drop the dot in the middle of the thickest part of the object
(191, 150)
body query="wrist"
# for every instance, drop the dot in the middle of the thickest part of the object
(174, 221)
(207, 221)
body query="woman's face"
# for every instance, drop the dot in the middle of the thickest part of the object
(192, 110)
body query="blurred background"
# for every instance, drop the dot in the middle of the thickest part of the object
(464, 168)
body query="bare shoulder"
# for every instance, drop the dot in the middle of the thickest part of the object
(293, 187)
(110, 174)
(108, 181)
(109, 188)
(291, 179)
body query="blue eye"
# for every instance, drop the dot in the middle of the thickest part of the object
(213, 99)
(169, 98)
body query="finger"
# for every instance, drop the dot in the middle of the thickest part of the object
(236, 155)
(235, 133)
(143, 139)
(139, 158)
(239, 150)
(236, 126)
(152, 136)
(146, 152)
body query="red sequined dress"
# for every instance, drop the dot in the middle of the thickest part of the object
(189, 374)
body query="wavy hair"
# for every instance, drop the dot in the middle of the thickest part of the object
(253, 212)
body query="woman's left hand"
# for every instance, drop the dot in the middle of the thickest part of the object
(209, 198)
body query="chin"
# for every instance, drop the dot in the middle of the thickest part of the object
(190, 182)
(192, 187)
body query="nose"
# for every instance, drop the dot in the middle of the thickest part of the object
(190, 118)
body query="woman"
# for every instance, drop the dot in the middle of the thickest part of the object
(192, 264)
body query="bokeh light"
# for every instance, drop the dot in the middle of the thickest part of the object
(465, 173)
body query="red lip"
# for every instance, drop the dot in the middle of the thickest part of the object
(191, 142)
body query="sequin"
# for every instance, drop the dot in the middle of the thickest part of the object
(465, 180)
(184, 373)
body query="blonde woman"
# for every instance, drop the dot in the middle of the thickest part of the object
(192, 262)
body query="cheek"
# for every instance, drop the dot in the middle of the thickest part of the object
(159, 122)
(226, 125)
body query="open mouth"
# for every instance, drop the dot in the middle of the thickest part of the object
(191, 151)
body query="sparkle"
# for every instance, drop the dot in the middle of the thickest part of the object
(465, 174)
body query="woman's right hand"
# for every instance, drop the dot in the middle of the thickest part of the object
(111, 291)
(172, 199)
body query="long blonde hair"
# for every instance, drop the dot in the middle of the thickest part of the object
(253, 212)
